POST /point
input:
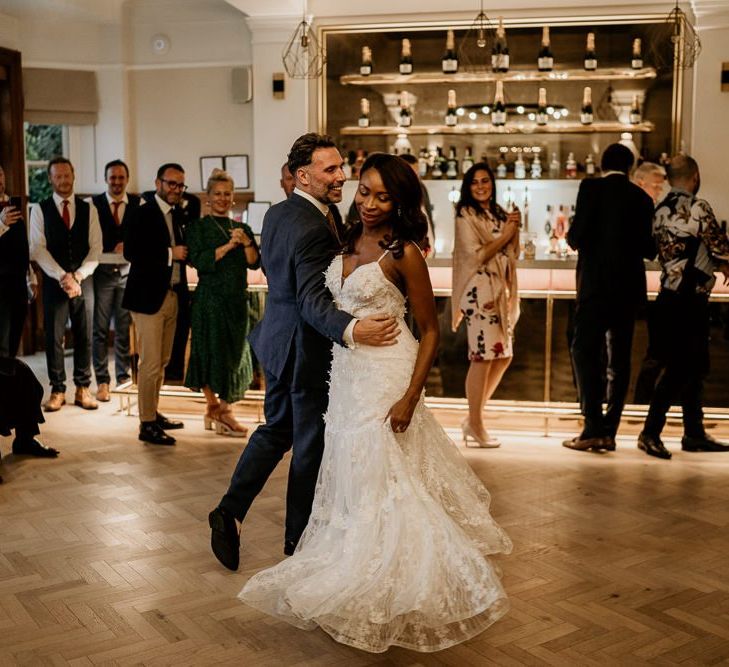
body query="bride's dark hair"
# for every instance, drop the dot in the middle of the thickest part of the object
(408, 220)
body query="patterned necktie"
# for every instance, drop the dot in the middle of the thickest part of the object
(115, 212)
(66, 215)
(333, 226)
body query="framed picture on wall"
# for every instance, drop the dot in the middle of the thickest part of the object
(207, 164)
(237, 168)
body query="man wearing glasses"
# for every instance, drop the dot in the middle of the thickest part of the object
(154, 246)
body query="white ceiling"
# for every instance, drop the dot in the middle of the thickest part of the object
(110, 11)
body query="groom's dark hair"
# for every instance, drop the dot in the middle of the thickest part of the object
(303, 149)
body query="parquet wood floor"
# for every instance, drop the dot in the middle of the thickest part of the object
(619, 559)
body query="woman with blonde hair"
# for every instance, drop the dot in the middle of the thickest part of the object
(484, 292)
(222, 251)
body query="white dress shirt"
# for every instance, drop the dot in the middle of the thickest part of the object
(348, 335)
(39, 251)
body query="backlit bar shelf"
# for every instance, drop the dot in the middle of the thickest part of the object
(511, 128)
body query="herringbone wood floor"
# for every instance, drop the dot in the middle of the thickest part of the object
(104, 559)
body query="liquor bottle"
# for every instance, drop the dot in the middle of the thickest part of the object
(548, 222)
(589, 165)
(467, 162)
(536, 169)
(509, 199)
(500, 167)
(406, 58)
(636, 62)
(498, 111)
(500, 50)
(590, 55)
(545, 60)
(586, 114)
(406, 118)
(365, 68)
(451, 118)
(542, 114)
(438, 165)
(364, 115)
(423, 163)
(554, 167)
(570, 167)
(450, 59)
(525, 210)
(452, 164)
(519, 167)
(635, 115)
(347, 168)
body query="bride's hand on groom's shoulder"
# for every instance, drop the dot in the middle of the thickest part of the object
(379, 329)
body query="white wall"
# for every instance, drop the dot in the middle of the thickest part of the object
(710, 143)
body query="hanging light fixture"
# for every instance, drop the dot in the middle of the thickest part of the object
(303, 57)
(474, 51)
(676, 42)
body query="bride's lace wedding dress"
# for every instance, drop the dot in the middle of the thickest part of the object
(396, 549)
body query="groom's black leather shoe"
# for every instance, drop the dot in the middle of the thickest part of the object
(289, 547)
(703, 443)
(31, 447)
(653, 446)
(224, 538)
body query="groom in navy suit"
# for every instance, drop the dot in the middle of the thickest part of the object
(293, 343)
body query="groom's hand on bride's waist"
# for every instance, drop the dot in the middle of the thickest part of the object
(379, 329)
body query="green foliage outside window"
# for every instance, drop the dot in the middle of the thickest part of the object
(42, 143)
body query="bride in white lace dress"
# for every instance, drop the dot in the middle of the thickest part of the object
(396, 549)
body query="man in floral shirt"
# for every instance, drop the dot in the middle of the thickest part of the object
(691, 247)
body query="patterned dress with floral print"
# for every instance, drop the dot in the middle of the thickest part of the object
(489, 337)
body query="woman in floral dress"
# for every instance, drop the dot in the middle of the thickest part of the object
(484, 291)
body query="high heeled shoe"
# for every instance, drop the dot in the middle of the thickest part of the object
(489, 443)
(210, 418)
(234, 430)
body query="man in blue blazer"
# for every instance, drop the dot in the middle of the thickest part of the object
(293, 343)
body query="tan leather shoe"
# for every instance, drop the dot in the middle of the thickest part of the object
(102, 393)
(55, 402)
(83, 399)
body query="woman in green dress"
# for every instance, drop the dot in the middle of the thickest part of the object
(222, 251)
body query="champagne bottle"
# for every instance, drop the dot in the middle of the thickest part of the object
(450, 59)
(635, 115)
(500, 50)
(545, 60)
(451, 118)
(467, 160)
(590, 54)
(498, 111)
(364, 115)
(406, 118)
(636, 62)
(406, 58)
(586, 114)
(365, 68)
(542, 114)
(452, 168)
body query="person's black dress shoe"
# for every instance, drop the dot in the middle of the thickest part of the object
(289, 547)
(653, 446)
(152, 433)
(31, 447)
(608, 444)
(583, 444)
(167, 424)
(704, 443)
(224, 538)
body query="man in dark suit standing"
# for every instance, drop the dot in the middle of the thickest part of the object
(293, 343)
(154, 247)
(611, 231)
(116, 207)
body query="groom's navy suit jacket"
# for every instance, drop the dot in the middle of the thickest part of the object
(293, 340)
